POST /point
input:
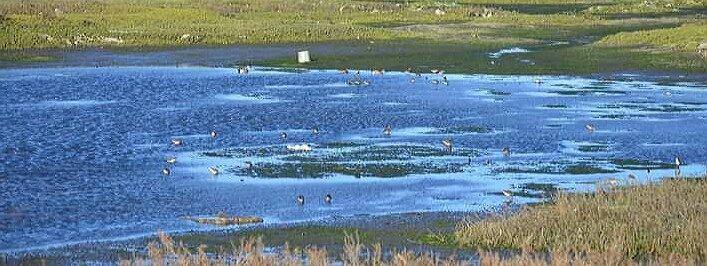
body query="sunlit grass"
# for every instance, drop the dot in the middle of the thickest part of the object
(636, 222)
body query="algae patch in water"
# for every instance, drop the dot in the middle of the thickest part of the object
(319, 170)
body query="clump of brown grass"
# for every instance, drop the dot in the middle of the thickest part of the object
(667, 220)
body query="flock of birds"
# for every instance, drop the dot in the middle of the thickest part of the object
(387, 131)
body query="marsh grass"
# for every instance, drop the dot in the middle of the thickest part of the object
(645, 222)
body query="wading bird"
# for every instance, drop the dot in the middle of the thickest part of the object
(507, 193)
(299, 148)
(447, 143)
(538, 81)
(315, 131)
(248, 165)
(283, 135)
(300, 199)
(166, 171)
(213, 134)
(506, 151)
(213, 170)
(445, 81)
(388, 130)
(591, 128)
(177, 142)
(327, 198)
(509, 196)
(677, 163)
(171, 160)
(243, 69)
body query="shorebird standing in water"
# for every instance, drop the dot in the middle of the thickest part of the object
(300, 199)
(508, 194)
(166, 171)
(388, 130)
(678, 162)
(327, 198)
(171, 160)
(506, 151)
(213, 170)
(590, 128)
(445, 81)
(248, 165)
(177, 142)
(447, 143)
(437, 71)
(283, 135)
(315, 131)
(213, 134)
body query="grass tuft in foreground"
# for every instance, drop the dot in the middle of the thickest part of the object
(666, 220)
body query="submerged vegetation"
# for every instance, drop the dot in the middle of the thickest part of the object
(583, 36)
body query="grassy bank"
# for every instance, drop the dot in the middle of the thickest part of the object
(633, 223)
(458, 35)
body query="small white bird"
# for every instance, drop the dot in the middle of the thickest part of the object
(166, 171)
(171, 160)
(248, 165)
(435, 82)
(678, 162)
(213, 170)
(507, 193)
(378, 72)
(447, 143)
(506, 151)
(437, 71)
(315, 131)
(213, 134)
(300, 200)
(283, 135)
(538, 81)
(591, 128)
(299, 148)
(177, 142)
(327, 199)
(388, 130)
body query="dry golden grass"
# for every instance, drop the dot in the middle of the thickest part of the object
(666, 220)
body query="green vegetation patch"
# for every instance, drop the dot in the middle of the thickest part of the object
(464, 130)
(577, 169)
(593, 148)
(556, 106)
(636, 164)
(319, 170)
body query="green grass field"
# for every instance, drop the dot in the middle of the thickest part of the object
(600, 36)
